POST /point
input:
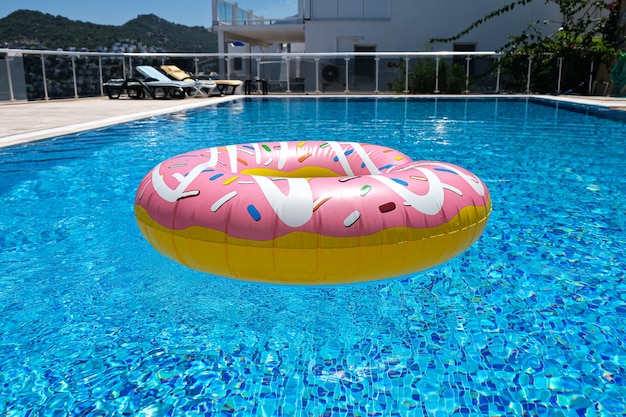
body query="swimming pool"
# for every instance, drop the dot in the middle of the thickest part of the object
(528, 321)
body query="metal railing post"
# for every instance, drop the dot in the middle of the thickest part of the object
(288, 70)
(530, 63)
(101, 76)
(437, 74)
(45, 80)
(377, 61)
(591, 79)
(74, 76)
(498, 76)
(258, 68)
(406, 75)
(195, 62)
(298, 66)
(467, 73)
(317, 75)
(347, 90)
(558, 83)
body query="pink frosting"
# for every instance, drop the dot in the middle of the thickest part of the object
(376, 188)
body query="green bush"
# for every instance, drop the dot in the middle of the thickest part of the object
(423, 77)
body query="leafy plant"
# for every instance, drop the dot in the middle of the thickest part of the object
(423, 77)
(583, 41)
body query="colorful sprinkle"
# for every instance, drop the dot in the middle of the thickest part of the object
(352, 218)
(387, 207)
(246, 151)
(344, 179)
(248, 146)
(386, 167)
(254, 213)
(231, 179)
(219, 203)
(216, 176)
(144, 188)
(301, 144)
(401, 182)
(399, 158)
(317, 203)
(177, 165)
(303, 157)
(242, 162)
(269, 161)
(415, 177)
(444, 170)
(346, 153)
(364, 190)
(325, 144)
(267, 148)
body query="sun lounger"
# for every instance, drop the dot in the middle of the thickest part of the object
(194, 88)
(227, 87)
(224, 87)
(136, 89)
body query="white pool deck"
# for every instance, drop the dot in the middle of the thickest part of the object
(31, 121)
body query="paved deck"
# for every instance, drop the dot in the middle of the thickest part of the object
(29, 121)
(26, 122)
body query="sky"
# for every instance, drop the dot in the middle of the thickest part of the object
(117, 12)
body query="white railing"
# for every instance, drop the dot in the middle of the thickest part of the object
(230, 13)
(44, 75)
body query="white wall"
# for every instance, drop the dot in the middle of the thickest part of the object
(349, 9)
(410, 23)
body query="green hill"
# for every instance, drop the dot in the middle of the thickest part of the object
(28, 29)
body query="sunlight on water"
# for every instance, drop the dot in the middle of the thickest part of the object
(529, 321)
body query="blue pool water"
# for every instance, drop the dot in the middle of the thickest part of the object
(530, 321)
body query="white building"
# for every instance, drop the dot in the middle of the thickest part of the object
(315, 26)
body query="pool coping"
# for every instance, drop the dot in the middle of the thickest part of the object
(31, 121)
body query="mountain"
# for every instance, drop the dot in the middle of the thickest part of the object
(28, 29)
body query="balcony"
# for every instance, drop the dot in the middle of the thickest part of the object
(234, 22)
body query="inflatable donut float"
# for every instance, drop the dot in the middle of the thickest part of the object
(310, 212)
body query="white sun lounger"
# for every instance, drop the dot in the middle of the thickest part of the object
(193, 88)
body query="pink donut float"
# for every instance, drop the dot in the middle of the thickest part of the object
(309, 212)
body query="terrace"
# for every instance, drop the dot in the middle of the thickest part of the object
(27, 75)
(51, 93)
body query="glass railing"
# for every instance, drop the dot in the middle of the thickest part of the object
(248, 13)
(27, 75)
